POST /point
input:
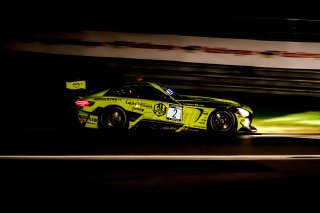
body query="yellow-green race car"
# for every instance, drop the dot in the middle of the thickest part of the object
(140, 104)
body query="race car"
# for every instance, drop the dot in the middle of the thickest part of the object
(132, 105)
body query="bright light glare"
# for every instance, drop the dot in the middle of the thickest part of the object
(246, 122)
(243, 112)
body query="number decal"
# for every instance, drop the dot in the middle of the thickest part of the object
(175, 112)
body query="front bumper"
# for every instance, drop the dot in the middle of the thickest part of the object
(246, 125)
(250, 128)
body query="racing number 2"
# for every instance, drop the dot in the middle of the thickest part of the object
(175, 113)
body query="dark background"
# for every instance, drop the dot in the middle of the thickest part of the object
(34, 83)
(34, 96)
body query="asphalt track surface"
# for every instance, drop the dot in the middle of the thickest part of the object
(85, 163)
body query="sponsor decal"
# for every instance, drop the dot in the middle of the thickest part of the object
(106, 99)
(173, 128)
(175, 112)
(160, 109)
(76, 84)
(193, 104)
(137, 109)
(140, 104)
(92, 120)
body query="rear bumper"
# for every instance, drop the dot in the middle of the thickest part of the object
(83, 116)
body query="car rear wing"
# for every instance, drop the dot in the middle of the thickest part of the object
(75, 85)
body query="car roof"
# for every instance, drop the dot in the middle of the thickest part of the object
(133, 83)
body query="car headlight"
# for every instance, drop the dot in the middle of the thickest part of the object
(243, 112)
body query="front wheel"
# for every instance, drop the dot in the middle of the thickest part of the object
(113, 118)
(222, 122)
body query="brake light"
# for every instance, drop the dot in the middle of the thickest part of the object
(84, 103)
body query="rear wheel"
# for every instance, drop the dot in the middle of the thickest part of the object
(222, 122)
(114, 118)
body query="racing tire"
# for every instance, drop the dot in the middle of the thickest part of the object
(222, 122)
(114, 118)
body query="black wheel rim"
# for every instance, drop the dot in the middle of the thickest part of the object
(222, 121)
(113, 119)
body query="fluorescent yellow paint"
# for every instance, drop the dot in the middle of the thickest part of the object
(92, 122)
(74, 85)
(193, 116)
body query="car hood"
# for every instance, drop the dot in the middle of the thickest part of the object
(198, 101)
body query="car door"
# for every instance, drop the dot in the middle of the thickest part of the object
(138, 102)
(166, 108)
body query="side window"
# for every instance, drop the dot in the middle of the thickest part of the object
(151, 93)
(126, 91)
(137, 91)
(111, 92)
